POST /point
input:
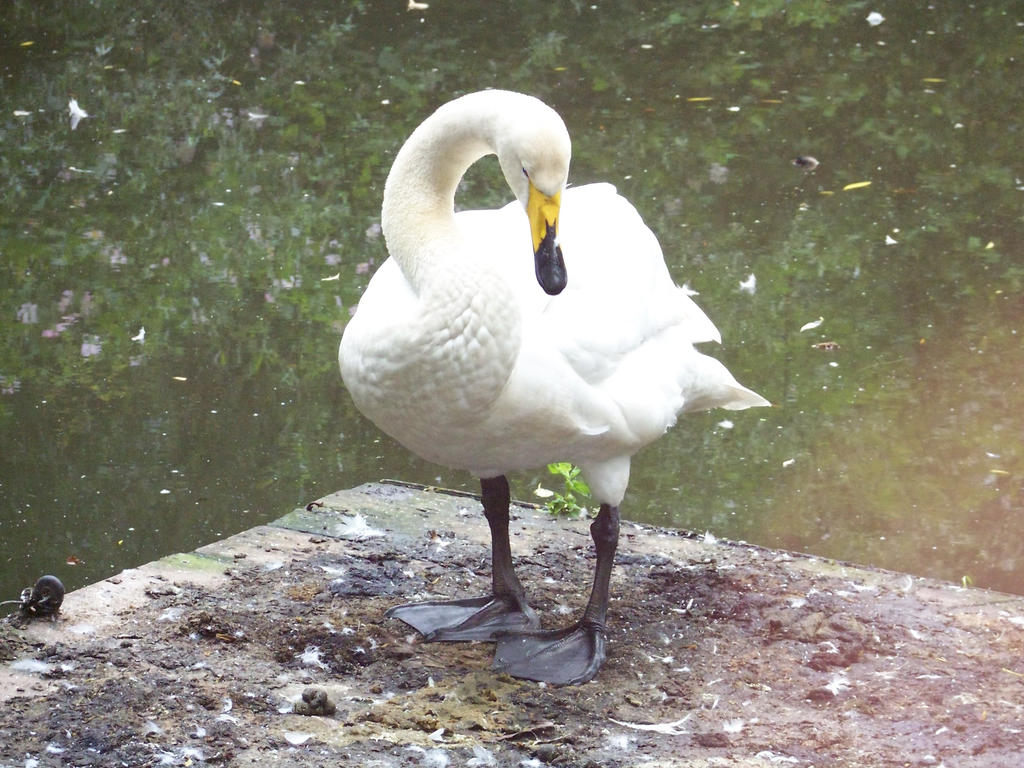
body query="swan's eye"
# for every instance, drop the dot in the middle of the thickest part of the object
(526, 173)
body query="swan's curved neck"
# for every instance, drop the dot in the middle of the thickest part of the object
(417, 216)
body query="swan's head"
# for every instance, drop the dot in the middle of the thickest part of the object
(533, 148)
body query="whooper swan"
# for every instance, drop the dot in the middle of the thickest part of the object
(471, 359)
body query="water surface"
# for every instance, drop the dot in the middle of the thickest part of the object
(224, 191)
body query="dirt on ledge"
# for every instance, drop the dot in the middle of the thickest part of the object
(720, 654)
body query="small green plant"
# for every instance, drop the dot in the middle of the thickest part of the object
(567, 503)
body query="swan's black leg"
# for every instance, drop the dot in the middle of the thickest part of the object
(572, 655)
(479, 618)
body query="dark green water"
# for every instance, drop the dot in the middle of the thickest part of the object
(232, 165)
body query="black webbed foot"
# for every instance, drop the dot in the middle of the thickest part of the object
(478, 618)
(563, 657)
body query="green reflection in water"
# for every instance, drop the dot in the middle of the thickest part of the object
(232, 164)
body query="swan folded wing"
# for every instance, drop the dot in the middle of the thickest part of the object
(616, 271)
(610, 388)
(624, 327)
(548, 413)
(601, 369)
(613, 257)
(620, 297)
(662, 378)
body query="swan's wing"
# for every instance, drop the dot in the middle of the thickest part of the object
(613, 354)
(622, 324)
(620, 294)
(619, 289)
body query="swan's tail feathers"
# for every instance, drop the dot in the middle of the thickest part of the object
(709, 384)
(744, 398)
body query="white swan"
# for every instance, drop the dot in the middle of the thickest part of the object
(457, 352)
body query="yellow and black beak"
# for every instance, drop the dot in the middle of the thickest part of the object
(547, 255)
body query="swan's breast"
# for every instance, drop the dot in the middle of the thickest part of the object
(424, 367)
